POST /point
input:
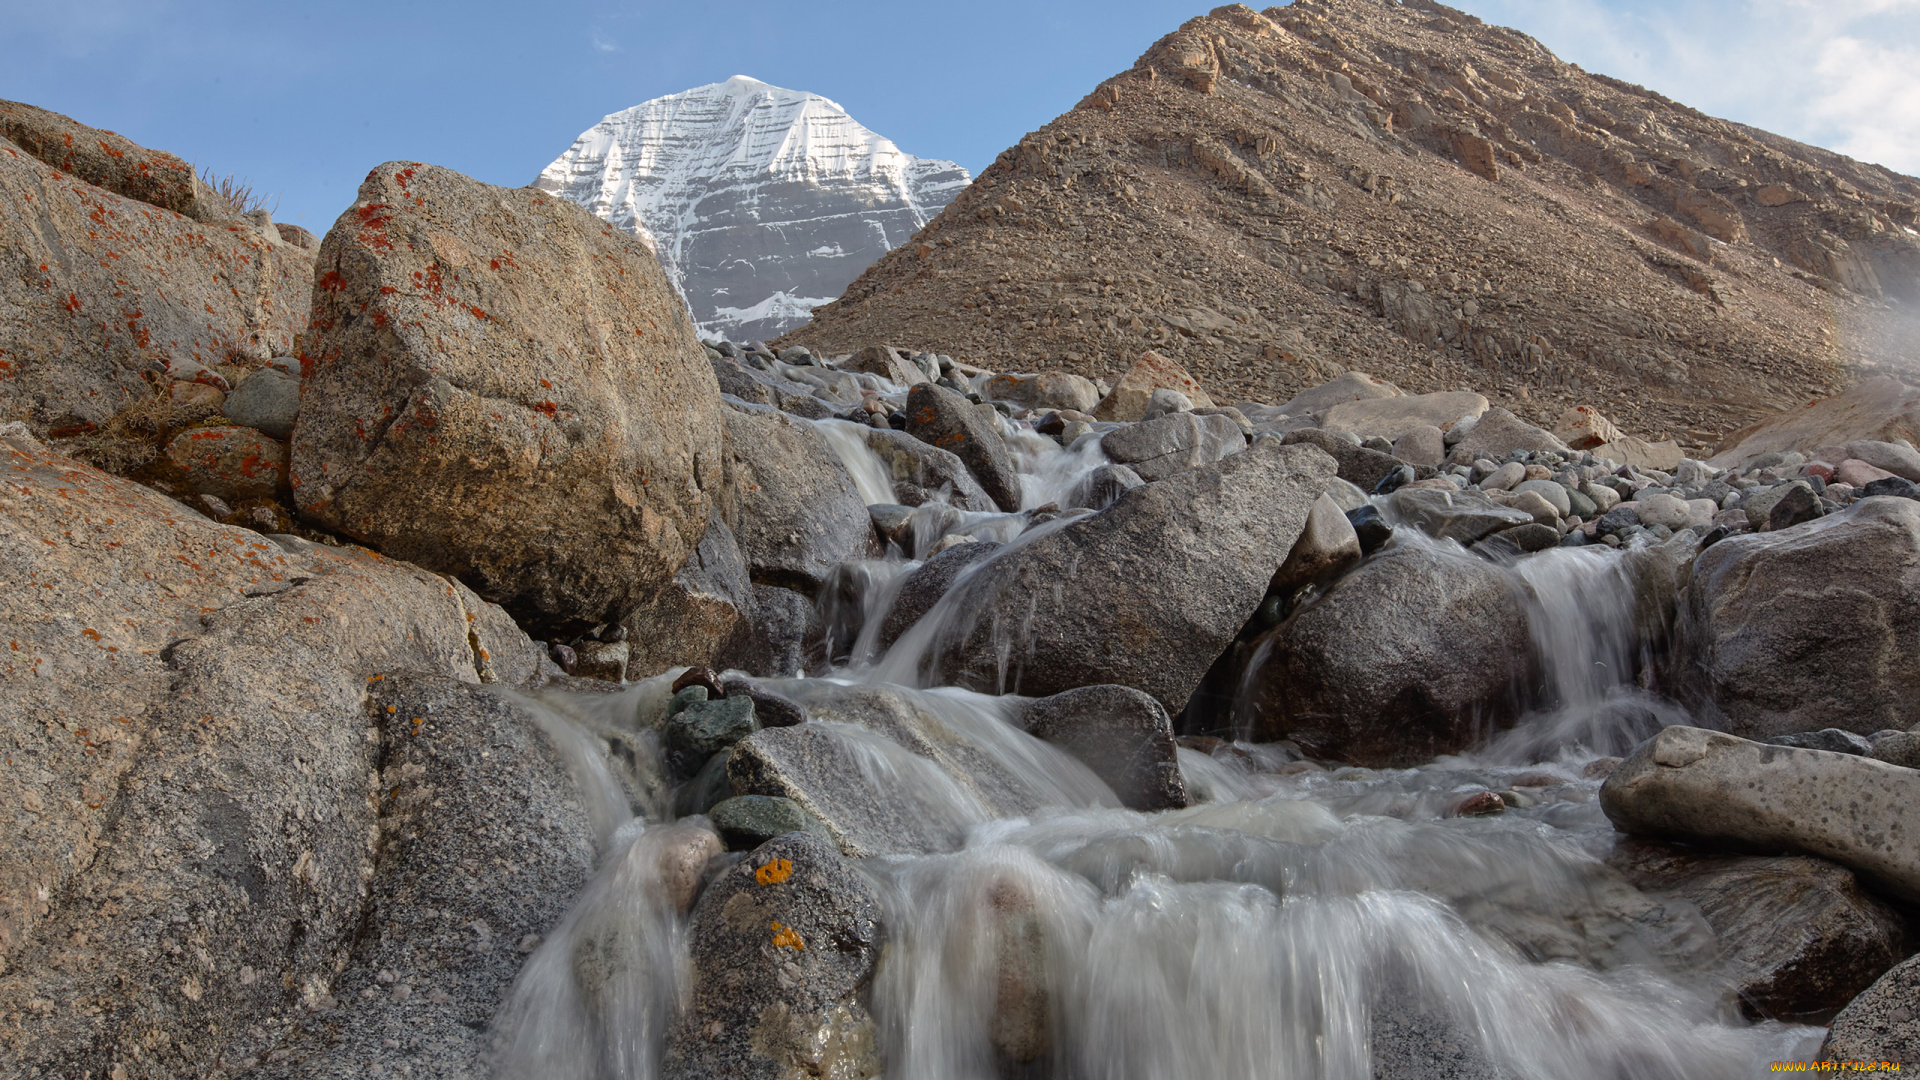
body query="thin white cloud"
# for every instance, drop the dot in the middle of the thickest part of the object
(1843, 74)
(603, 43)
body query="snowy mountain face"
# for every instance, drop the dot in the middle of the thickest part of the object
(762, 203)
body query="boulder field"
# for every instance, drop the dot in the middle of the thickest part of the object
(506, 682)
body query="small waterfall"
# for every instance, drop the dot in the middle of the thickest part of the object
(872, 477)
(1049, 472)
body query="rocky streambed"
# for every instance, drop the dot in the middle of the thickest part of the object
(628, 707)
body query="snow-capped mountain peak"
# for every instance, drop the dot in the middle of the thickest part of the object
(761, 202)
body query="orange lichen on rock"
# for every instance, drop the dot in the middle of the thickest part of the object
(785, 937)
(774, 872)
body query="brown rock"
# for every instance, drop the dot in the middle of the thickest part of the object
(230, 462)
(502, 387)
(888, 363)
(1476, 156)
(1128, 400)
(1583, 428)
(107, 160)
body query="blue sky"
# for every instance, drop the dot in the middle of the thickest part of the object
(303, 99)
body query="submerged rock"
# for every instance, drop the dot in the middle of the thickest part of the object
(1123, 735)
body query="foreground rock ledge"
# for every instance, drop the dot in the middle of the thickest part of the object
(1711, 788)
(503, 387)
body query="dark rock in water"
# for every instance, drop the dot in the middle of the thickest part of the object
(1156, 449)
(1891, 485)
(1393, 481)
(1798, 505)
(799, 514)
(792, 629)
(1123, 735)
(922, 471)
(924, 586)
(747, 821)
(783, 944)
(1101, 487)
(1370, 527)
(1199, 547)
(1477, 804)
(1768, 667)
(769, 708)
(1460, 516)
(707, 615)
(709, 787)
(1714, 536)
(704, 728)
(517, 432)
(893, 524)
(1799, 937)
(701, 676)
(1529, 538)
(1883, 1023)
(942, 418)
(1832, 740)
(1576, 538)
(467, 779)
(1414, 654)
(1499, 548)
(1357, 465)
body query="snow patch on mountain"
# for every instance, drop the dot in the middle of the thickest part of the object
(762, 203)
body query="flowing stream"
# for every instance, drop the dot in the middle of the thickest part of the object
(1298, 921)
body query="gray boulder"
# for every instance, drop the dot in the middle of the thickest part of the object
(921, 471)
(1357, 465)
(927, 583)
(1046, 390)
(1123, 735)
(1897, 458)
(1162, 581)
(1799, 937)
(782, 945)
(706, 616)
(1156, 449)
(1460, 516)
(1498, 433)
(1810, 627)
(1328, 546)
(760, 388)
(1352, 386)
(942, 418)
(1707, 787)
(1882, 1024)
(1103, 486)
(799, 513)
(544, 426)
(1414, 654)
(1423, 444)
(267, 401)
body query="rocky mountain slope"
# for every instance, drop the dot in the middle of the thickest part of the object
(761, 202)
(1269, 198)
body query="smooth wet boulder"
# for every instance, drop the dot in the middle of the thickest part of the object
(761, 388)
(1799, 937)
(1045, 390)
(1160, 583)
(1390, 418)
(1460, 516)
(799, 513)
(1883, 1023)
(1131, 394)
(1327, 547)
(1810, 627)
(467, 779)
(503, 387)
(1103, 486)
(1123, 735)
(1156, 449)
(193, 700)
(942, 418)
(922, 472)
(707, 615)
(1498, 433)
(747, 821)
(1714, 789)
(104, 285)
(782, 947)
(1414, 654)
(927, 583)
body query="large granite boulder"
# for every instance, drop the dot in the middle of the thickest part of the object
(1799, 937)
(502, 387)
(942, 418)
(1809, 627)
(707, 616)
(195, 789)
(783, 945)
(799, 513)
(1460, 516)
(1123, 735)
(107, 283)
(1156, 449)
(1046, 390)
(1882, 1024)
(1350, 386)
(1146, 593)
(1710, 788)
(1498, 433)
(1390, 418)
(1414, 654)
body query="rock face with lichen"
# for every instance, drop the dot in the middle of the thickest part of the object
(502, 387)
(117, 267)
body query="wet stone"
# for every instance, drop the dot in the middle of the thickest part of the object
(704, 728)
(747, 821)
(1371, 527)
(1832, 740)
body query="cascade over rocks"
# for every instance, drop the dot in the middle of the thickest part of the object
(799, 514)
(1210, 536)
(1706, 787)
(1414, 654)
(921, 470)
(942, 418)
(502, 387)
(1809, 627)
(927, 583)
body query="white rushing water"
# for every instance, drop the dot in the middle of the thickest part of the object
(1299, 921)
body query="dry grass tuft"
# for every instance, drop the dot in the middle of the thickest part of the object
(237, 193)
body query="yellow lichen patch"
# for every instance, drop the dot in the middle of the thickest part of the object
(785, 937)
(774, 872)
